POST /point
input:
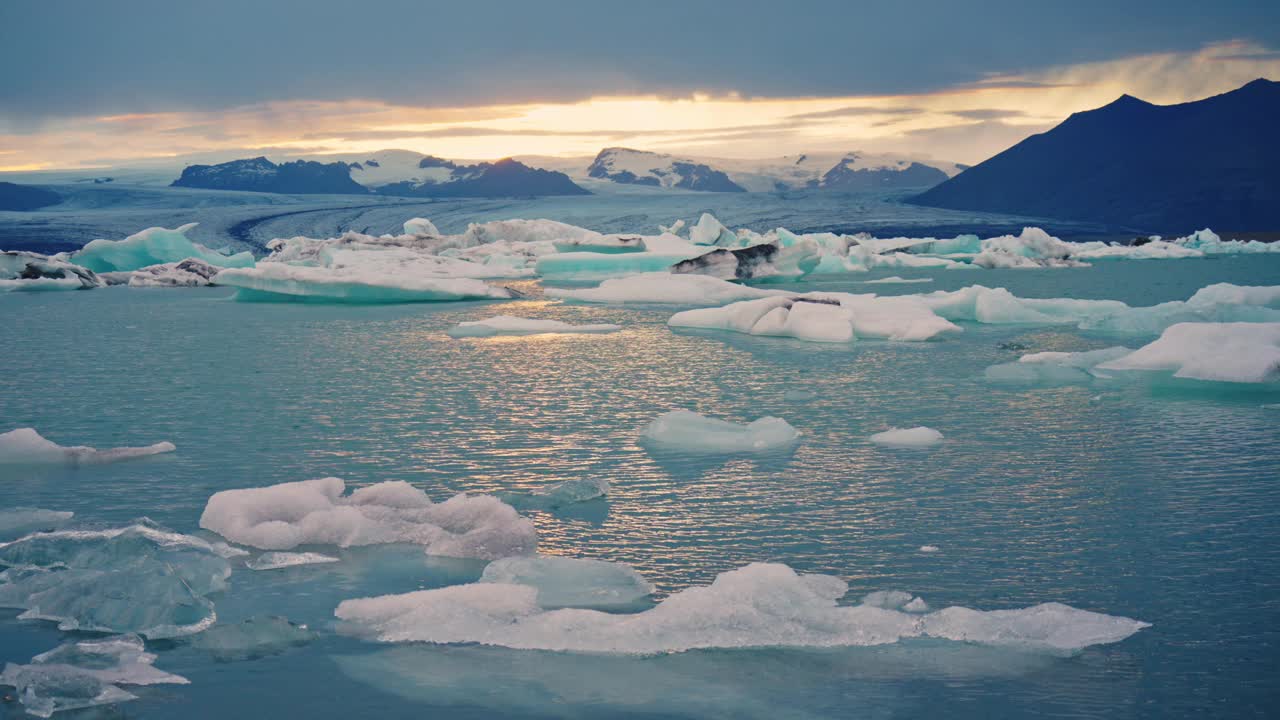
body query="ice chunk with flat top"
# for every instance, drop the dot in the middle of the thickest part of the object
(759, 605)
(664, 288)
(688, 431)
(316, 512)
(916, 437)
(823, 317)
(26, 446)
(367, 277)
(1222, 352)
(1054, 367)
(18, 521)
(508, 325)
(153, 246)
(137, 578)
(253, 638)
(84, 674)
(572, 582)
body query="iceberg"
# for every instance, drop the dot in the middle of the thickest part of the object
(765, 260)
(153, 246)
(895, 600)
(601, 244)
(1219, 352)
(581, 266)
(508, 325)
(709, 231)
(26, 446)
(84, 674)
(18, 521)
(823, 317)
(916, 437)
(559, 494)
(351, 284)
(316, 512)
(32, 271)
(690, 432)
(137, 578)
(1220, 303)
(564, 582)
(421, 227)
(1054, 367)
(895, 280)
(664, 288)
(192, 272)
(279, 560)
(759, 605)
(253, 638)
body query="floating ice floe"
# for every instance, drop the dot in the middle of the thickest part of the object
(559, 494)
(929, 548)
(823, 317)
(316, 512)
(26, 446)
(32, 271)
(138, 578)
(279, 560)
(895, 600)
(690, 432)
(916, 437)
(563, 582)
(1053, 367)
(584, 266)
(153, 246)
(1222, 352)
(84, 674)
(895, 280)
(760, 605)
(664, 288)
(756, 262)
(18, 521)
(192, 272)
(253, 638)
(508, 325)
(1218, 303)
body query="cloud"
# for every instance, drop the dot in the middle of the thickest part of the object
(857, 111)
(988, 114)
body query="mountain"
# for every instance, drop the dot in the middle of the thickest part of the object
(25, 197)
(846, 171)
(1153, 168)
(261, 175)
(504, 178)
(638, 167)
(391, 172)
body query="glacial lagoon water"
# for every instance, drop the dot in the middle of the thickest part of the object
(1150, 501)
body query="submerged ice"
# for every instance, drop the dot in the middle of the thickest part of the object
(26, 446)
(759, 605)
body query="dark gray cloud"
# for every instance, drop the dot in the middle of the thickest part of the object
(76, 57)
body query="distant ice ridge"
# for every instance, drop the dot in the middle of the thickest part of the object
(916, 437)
(26, 446)
(316, 512)
(823, 317)
(137, 578)
(1238, 352)
(508, 325)
(153, 246)
(759, 605)
(84, 674)
(688, 431)
(564, 582)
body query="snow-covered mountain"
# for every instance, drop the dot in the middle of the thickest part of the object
(831, 171)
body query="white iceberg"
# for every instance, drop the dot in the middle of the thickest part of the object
(688, 431)
(823, 317)
(664, 288)
(26, 446)
(84, 674)
(916, 437)
(1054, 367)
(316, 512)
(508, 325)
(760, 605)
(895, 280)
(351, 284)
(1221, 352)
(564, 582)
(153, 246)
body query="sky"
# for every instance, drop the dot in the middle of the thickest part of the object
(132, 82)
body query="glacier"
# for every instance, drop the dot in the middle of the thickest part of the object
(316, 512)
(759, 605)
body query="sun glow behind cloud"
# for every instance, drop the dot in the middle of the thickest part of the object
(965, 123)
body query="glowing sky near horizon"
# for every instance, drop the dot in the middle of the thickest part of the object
(485, 112)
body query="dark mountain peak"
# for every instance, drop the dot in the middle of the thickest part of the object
(1152, 168)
